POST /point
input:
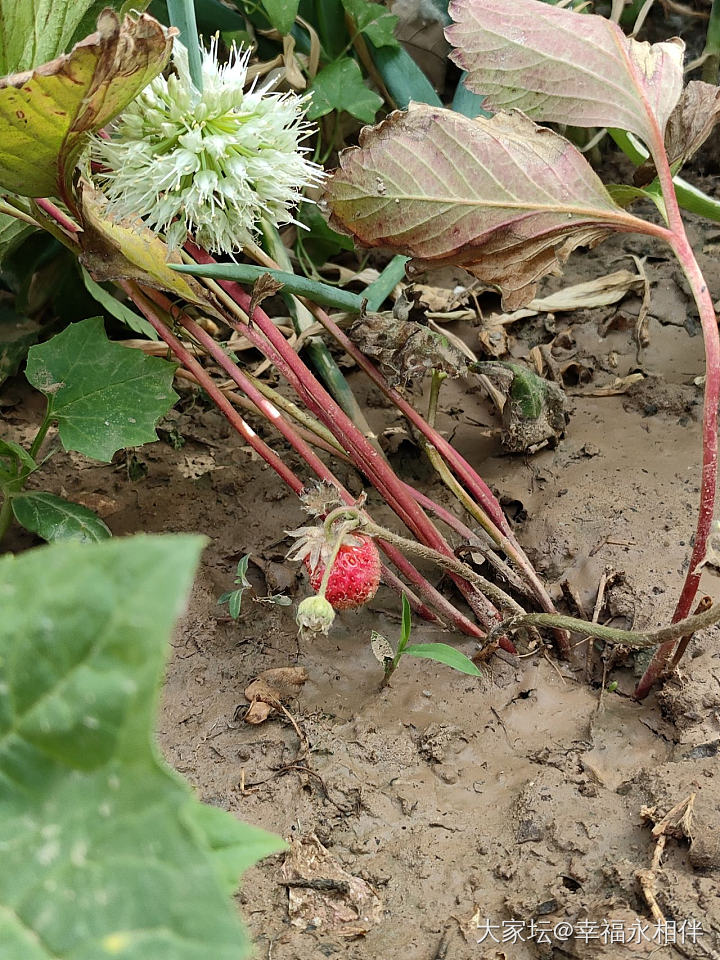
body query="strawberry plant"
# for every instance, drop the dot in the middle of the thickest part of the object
(509, 200)
(105, 850)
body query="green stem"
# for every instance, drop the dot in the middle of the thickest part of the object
(688, 196)
(6, 516)
(640, 639)
(42, 431)
(379, 290)
(490, 590)
(182, 16)
(711, 66)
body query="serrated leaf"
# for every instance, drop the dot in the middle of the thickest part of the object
(374, 21)
(54, 519)
(104, 396)
(340, 86)
(127, 249)
(281, 13)
(17, 335)
(503, 198)
(48, 113)
(319, 241)
(566, 67)
(117, 309)
(380, 646)
(444, 653)
(105, 851)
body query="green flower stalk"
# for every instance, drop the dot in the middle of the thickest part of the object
(211, 163)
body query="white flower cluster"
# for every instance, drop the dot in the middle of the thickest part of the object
(210, 163)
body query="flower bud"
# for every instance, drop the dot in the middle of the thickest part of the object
(315, 615)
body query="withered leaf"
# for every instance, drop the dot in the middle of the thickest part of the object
(534, 409)
(503, 198)
(323, 895)
(405, 349)
(265, 286)
(565, 66)
(275, 685)
(127, 249)
(47, 114)
(690, 124)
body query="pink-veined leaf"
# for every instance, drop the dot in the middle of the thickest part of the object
(565, 67)
(503, 198)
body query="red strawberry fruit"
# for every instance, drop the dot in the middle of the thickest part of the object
(355, 575)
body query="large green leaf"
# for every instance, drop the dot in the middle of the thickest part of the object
(34, 31)
(103, 396)
(55, 519)
(105, 851)
(47, 114)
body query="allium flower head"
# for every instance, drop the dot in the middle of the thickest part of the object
(212, 163)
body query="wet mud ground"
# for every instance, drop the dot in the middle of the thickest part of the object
(524, 795)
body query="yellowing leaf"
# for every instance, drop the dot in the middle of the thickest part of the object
(563, 66)
(125, 249)
(46, 114)
(503, 198)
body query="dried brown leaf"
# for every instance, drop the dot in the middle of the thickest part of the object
(127, 249)
(503, 198)
(564, 66)
(690, 124)
(325, 897)
(405, 349)
(275, 685)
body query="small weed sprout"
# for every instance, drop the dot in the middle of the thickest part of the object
(233, 598)
(439, 652)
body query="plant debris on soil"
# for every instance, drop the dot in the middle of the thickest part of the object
(425, 816)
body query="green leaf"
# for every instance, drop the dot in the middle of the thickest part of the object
(117, 309)
(12, 233)
(444, 653)
(104, 396)
(17, 335)
(403, 78)
(15, 465)
(406, 626)
(235, 603)
(23, 45)
(340, 86)
(105, 850)
(374, 20)
(281, 13)
(55, 519)
(320, 241)
(46, 117)
(242, 569)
